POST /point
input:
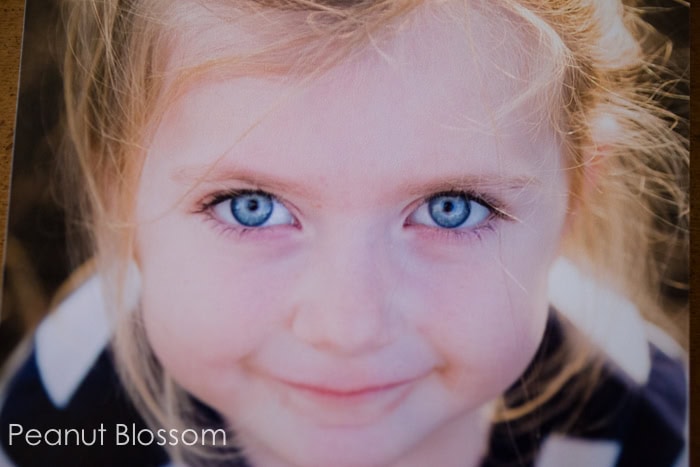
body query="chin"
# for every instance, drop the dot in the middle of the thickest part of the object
(323, 447)
(369, 455)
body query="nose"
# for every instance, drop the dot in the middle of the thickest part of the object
(344, 301)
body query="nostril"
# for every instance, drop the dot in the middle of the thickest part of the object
(347, 329)
(341, 300)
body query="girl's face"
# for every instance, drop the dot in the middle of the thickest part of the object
(349, 270)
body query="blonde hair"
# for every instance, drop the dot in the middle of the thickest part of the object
(600, 62)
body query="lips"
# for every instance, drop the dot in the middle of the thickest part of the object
(341, 393)
(343, 406)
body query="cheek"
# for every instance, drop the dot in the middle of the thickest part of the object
(487, 339)
(489, 315)
(486, 314)
(204, 309)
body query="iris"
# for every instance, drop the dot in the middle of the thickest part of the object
(449, 211)
(252, 209)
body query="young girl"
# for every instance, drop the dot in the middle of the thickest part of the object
(331, 233)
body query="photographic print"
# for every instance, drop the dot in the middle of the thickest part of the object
(353, 233)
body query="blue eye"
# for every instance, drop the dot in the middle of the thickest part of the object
(252, 209)
(451, 211)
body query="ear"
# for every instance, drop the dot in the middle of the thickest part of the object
(604, 131)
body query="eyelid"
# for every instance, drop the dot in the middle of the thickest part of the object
(495, 205)
(419, 215)
(468, 194)
(210, 204)
(219, 197)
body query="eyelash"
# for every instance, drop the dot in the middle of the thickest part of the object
(496, 213)
(207, 207)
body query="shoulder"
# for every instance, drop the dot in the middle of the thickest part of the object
(67, 391)
(598, 416)
(623, 423)
(636, 413)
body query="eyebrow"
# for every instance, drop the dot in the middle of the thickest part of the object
(436, 183)
(219, 175)
(485, 181)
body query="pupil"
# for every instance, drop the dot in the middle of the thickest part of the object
(253, 205)
(448, 206)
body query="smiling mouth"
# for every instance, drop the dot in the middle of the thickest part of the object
(330, 392)
(335, 407)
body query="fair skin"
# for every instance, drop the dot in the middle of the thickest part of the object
(303, 276)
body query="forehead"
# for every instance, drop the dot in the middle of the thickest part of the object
(213, 41)
(433, 83)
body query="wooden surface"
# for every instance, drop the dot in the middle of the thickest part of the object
(694, 244)
(11, 21)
